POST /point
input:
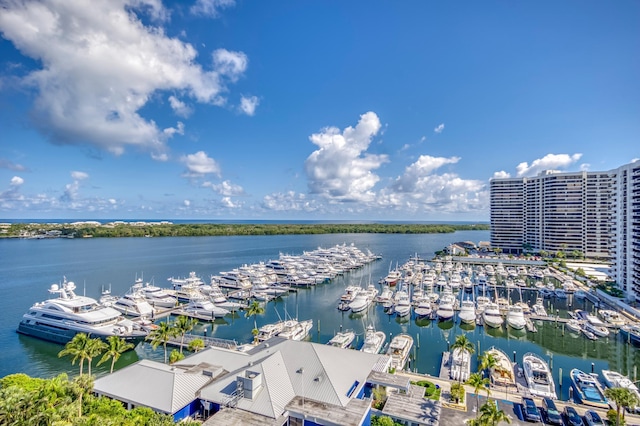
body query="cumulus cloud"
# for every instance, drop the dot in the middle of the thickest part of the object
(211, 8)
(439, 128)
(341, 169)
(79, 175)
(248, 105)
(289, 201)
(200, 164)
(16, 181)
(228, 203)
(501, 175)
(101, 64)
(70, 193)
(225, 188)
(548, 162)
(9, 165)
(186, 203)
(179, 107)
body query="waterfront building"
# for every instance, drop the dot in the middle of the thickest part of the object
(595, 213)
(278, 382)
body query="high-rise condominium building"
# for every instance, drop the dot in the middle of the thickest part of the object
(594, 213)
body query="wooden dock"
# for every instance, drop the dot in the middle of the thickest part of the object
(445, 366)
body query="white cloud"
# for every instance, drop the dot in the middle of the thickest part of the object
(186, 203)
(289, 201)
(179, 107)
(210, 8)
(101, 64)
(585, 167)
(112, 201)
(6, 164)
(79, 175)
(249, 105)
(548, 162)
(341, 170)
(501, 175)
(439, 128)
(228, 203)
(230, 64)
(225, 188)
(179, 129)
(16, 181)
(200, 164)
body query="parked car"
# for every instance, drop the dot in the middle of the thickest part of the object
(529, 410)
(551, 413)
(593, 419)
(573, 418)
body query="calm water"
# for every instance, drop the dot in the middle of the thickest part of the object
(29, 267)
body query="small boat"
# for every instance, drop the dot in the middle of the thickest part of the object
(423, 309)
(343, 306)
(460, 365)
(545, 292)
(399, 350)
(538, 375)
(589, 335)
(574, 325)
(587, 389)
(373, 340)
(612, 317)
(631, 333)
(598, 330)
(502, 373)
(515, 317)
(342, 339)
(467, 312)
(491, 315)
(613, 379)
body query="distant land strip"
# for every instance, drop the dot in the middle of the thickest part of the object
(23, 230)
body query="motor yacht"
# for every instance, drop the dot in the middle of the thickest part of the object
(460, 367)
(538, 376)
(467, 312)
(515, 317)
(399, 350)
(502, 373)
(158, 297)
(360, 302)
(587, 389)
(613, 379)
(268, 331)
(445, 310)
(423, 309)
(295, 330)
(133, 303)
(342, 339)
(491, 315)
(201, 305)
(373, 340)
(612, 317)
(402, 305)
(60, 319)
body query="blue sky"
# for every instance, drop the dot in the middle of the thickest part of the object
(327, 110)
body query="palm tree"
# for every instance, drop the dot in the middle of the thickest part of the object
(489, 362)
(478, 382)
(463, 344)
(254, 309)
(491, 415)
(622, 397)
(161, 335)
(195, 345)
(77, 349)
(95, 347)
(182, 326)
(116, 347)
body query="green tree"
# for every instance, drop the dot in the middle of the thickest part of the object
(184, 325)
(457, 392)
(463, 344)
(195, 345)
(491, 415)
(116, 347)
(95, 347)
(622, 397)
(381, 421)
(479, 383)
(175, 356)
(161, 336)
(255, 308)
(77, 348)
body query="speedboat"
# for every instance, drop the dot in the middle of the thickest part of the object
(574, 325)
(491, 315)
(587, 389)
(423, 309)
(399, 350)
(158, 297)
(613, 379)
(467, 312)
(612, 317)
(342, 339)
(373, 340)
(588, 334)
(60, 319)
(539, 309)
(538, 376)
(502, 373)
(133, 303)
(598, 330)
(460, 365)
(515, 317)
(295, 330)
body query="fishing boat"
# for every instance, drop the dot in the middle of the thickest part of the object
(460, 365)
(491, 315)
(502, 373)
(515, 317)
(423, 309)
(342, 339)
(399, 350)
(587, 389)
(538, 376)
(613, 379)
(373, 340)
(467, 312)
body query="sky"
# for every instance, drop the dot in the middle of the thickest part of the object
(306, 110)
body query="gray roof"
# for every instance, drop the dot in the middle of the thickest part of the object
(152, 384)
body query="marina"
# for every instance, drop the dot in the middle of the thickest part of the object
(318, 302)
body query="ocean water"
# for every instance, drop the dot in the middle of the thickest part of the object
(29, 267)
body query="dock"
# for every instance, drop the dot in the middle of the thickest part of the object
(208, 341)
(445, 366)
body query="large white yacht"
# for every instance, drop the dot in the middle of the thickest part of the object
(491, 315)
(515, 317)
(373, 340)
(538, 375)
(61, 318)
(467, 312)
(133, 303)
(399, 350)
(158, 297)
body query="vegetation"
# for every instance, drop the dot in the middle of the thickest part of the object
(457, 392)
(116, 346)
(379, 397)
(431, 391)
(479, 383)
(82, 347)
(195, 345)
(490, 415)
(254, 309)
(26, 401)
(383, 421)
(611, 288)
(182, 326)
(161, 336)
(175, 356)
(211, 229)
(622, 397)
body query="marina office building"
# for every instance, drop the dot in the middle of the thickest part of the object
(595, 213)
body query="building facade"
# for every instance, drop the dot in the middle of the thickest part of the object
(594, 213)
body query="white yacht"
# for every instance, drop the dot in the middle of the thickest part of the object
(59, 319)
(515, 317)
(200, 305)
(295, 330)
(538, 308)
(613, 379)
(360, 302)
(491, 315)
(373, 340)
(268, 331)
(467, 312)
(402, 306)
(539, 378)
(445, 309)
(399, 350)
(158, 297)
(460, 365)
(423, 309)
(133, 303)
(342, 339)
(502, 373)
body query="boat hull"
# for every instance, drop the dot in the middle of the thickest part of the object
(63, 336)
